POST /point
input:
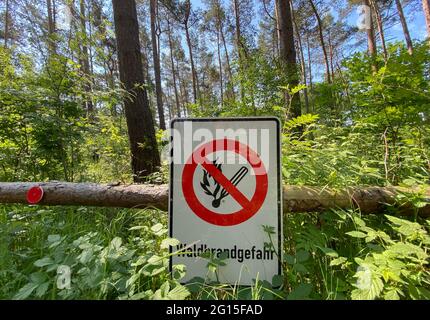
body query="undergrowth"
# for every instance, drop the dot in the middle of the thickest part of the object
(123, 254)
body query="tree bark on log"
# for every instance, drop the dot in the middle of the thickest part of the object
(295, 198)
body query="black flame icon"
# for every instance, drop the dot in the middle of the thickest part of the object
(213, 188)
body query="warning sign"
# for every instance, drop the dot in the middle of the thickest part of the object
(225, 198)
(223, 185)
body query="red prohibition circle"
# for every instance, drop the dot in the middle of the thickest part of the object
(249, 207)
(34, 194)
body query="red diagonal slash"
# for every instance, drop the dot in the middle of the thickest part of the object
(226, 183)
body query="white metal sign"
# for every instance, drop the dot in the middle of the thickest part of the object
(225, 198)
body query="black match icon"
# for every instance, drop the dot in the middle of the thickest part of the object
(218, 192)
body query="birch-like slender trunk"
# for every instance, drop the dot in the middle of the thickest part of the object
(172, 65)
(371, 42)
(190, 51)
(156, 62)
(6, 23)
(380, 28)
(302, 62)
(321, 37)
(85, 60)
(405, 27)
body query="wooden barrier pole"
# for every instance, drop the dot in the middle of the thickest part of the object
(295, 198)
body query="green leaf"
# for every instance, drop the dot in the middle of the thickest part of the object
(337, 261)
(132, 280)
(425, 293)
(301, 292)
(25, 291)
(43, 262)
(302, 256)
(329, 252)
(356, 234)
(41, 289)
(85, 256)
(158, 229)
(169, 242)
(196, 284)
(157, 271)
(289, 259)
(359, 221)
(178, 293)
(155, 260)
(277, 280)
(138, 228)
(178, 271)
(391, 295)
(300, 268)
(54, 238)
(116, 243)
(369, 286)
(38, 277)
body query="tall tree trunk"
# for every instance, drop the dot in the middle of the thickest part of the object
(54, 13)
(239, 45)
(321, 36)
(184, 94)
(156, 61)
(331, 54)
(190, 50)
(6, 24)
(371, 42)
(426, 9)
(182, 91)
(278, 28)
(193, 68)
(275, 42)
(311, 85)
(145, 65)
(172, 63)
(288, 54)
(144, 152)
(226, 54)
(85, 60)
(380, 28)
(405, 27)
(309, 63)
(171, 111)
(231, 92)
(51, 26)
(241, 50)
(302, 62)
(221, 85)
(90, 47)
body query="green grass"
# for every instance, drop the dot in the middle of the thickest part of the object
(123, 254)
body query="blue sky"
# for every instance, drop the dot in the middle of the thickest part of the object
(415, 21)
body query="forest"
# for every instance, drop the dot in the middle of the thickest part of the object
(88, 89)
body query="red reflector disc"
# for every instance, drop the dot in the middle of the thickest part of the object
(34, 195)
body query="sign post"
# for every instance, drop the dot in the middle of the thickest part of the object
(225, 198)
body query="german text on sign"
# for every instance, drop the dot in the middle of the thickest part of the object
(225, 198)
